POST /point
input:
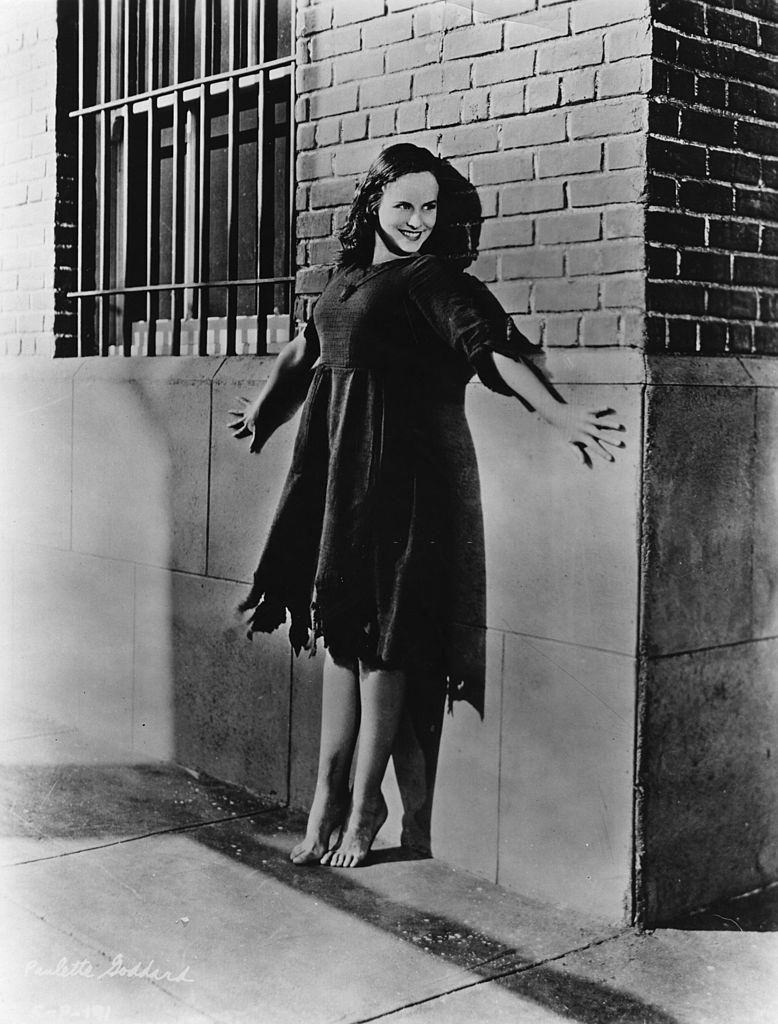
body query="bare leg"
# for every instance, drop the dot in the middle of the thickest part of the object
(382, 695)
(415, 756)
(339, 725)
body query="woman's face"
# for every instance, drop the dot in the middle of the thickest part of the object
(406, 215)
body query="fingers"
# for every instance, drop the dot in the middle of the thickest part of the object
(610, 426)
(593, 416)
(238, 426)
(239, 430)
(599, 446)
(584, 453)
(609, 441)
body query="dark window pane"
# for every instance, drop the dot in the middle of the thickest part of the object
(274, 250)
(278, 29)
(92, 61)
(220, 38)
(164, 267)
(164, 52)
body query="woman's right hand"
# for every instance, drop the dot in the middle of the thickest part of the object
(245, 422)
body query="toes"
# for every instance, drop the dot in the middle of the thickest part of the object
(302, 857)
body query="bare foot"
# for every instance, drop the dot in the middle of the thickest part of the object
(355, 844)
(328, 812)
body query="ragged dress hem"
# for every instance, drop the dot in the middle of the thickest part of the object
(270, 612)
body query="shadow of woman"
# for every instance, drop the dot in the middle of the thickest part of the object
(461, 536)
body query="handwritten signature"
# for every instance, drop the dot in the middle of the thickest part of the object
(65, 968)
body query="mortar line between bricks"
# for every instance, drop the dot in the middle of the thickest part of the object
(523, 969)
(145, 835)
(729, 44)
(718, 112)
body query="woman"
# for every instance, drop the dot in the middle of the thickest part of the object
(354, 552)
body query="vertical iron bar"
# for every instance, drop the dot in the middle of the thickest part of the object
(202, 205)
(124, 219)
(178, 237)
(261, 39)
(80, 221)
(291, 258)
(125, 184)
(105, 231)
(152, 225)
(103, 148)
(152, 43)
(252, 48)
(150, 21)
(126, 46)
(233, 129)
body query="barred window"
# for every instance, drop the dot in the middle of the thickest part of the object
(185, 176)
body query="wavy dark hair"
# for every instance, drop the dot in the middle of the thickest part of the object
(458, 226)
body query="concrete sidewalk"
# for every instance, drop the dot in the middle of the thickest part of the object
(138, 892)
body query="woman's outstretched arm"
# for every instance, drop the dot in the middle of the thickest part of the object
(588, 429)
(282, 395)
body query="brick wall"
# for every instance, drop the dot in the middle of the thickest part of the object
(540, 103)
(712, 224)
(37, 231)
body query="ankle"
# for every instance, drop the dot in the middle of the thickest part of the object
(369, 808)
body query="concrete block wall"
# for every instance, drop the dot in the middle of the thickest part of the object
(712, 224)
(541, 105)
(130, 530)
(120, 617)
(709, 670)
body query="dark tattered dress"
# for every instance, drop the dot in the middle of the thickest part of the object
(360, 551)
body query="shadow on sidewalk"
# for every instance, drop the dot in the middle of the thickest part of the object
(105, 804)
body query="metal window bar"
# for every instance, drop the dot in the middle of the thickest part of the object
(104, 157)
(81, 203)
(123, 106)
(233, 129)
(179, 156)
(152, 182)
(152, 220)
(203, 210)
(187, 86)
(261, 36)
(123, 213)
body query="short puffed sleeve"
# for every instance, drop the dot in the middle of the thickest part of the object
(464, 313)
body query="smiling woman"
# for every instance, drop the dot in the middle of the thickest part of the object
(406, 215)
(359, 550)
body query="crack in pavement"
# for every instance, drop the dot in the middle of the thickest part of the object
(508, 972)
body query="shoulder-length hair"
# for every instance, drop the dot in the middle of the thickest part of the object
(451, 237)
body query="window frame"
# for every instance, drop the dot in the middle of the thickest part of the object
(190, 285)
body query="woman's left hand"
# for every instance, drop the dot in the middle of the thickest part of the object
(587, 429)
